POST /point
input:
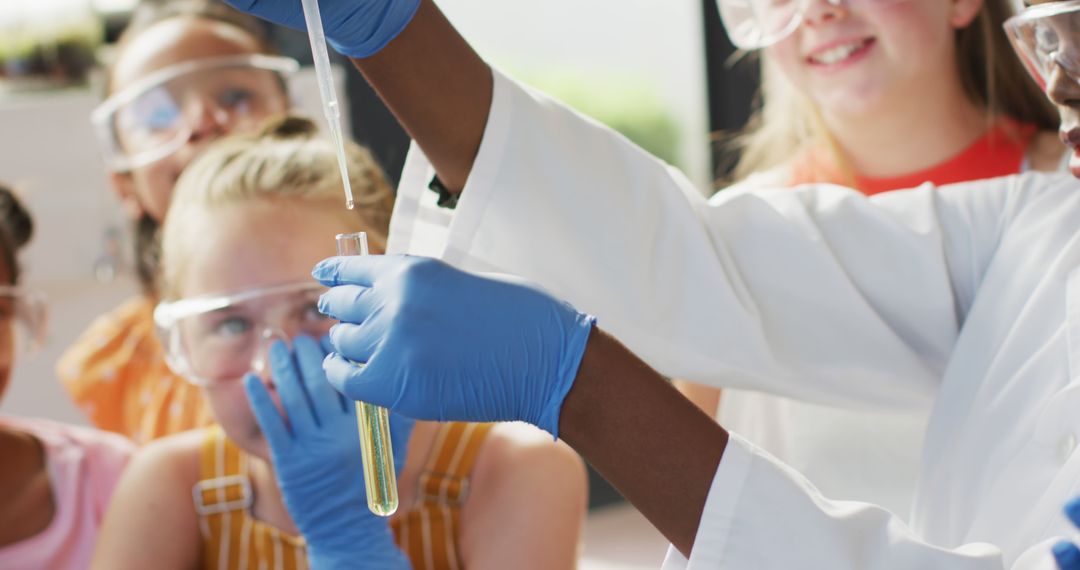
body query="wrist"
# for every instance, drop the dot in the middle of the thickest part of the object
(576, 335)
(582, 406)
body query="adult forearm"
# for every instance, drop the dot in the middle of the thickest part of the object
(658, 449)
(438, 88)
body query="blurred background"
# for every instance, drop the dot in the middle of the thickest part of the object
(659, 71)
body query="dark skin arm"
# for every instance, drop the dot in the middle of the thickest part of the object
(655, 446)
(440, 90)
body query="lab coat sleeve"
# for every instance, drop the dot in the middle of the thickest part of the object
(816, 293)
(762, 514)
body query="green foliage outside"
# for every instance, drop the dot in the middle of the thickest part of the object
(628, 105)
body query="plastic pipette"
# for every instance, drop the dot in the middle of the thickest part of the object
(326, 88)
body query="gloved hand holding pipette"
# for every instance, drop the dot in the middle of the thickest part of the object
(1067, 553)
(316, 462)
(356, 28)
(492, 349)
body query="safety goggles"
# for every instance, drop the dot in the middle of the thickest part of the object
(219, 338)
(156, 115)
(1047, 39)
(757, 24)
(23, 314)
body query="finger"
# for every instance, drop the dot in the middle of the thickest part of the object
(1072, 510)
(363, 270)
(356, 383)
(309, 356)
(355, 342)
(349, 303)
(293, 396)
(266, 413)
(1067, 556)
(328, 348)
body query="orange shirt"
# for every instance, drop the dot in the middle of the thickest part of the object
(1001, 151)
(116, 373)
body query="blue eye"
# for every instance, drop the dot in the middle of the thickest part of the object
(237, 98)
(1046, 40)
(154, 111)
(232, 327)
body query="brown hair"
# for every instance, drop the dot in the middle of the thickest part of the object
(147, 14)
(788, 122)
(16, 229)
(286, 160)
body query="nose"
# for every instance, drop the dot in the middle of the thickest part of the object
(205, 119)
(1062, 87)
(818, 12)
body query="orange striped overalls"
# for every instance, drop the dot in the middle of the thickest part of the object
(427, 533)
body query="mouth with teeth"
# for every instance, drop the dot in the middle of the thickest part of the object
(839, 54)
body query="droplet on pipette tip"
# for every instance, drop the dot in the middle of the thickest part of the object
(350, 204)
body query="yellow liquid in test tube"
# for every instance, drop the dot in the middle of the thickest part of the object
(374, 424)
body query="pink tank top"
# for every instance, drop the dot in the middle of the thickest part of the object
(84, 466)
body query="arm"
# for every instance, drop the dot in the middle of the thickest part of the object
(725, 502)
(429, 77)
(438, 88)
(531, 493)
(715, 292)
(506, 351)
(663, 467)
(150, 522)
(706, 398)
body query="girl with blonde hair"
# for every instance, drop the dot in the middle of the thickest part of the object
(248, 220)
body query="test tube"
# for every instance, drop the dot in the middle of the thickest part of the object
(373, 422)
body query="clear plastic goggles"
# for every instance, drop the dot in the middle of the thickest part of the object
(1047, 39)
(756, 24)
(23, 314)
(156, 115)
(220, 338)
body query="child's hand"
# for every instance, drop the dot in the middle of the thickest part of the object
(1066, 553)
(316, 456)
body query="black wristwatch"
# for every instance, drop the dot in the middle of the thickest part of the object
(447, 199)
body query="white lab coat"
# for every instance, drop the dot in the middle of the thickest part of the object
(847, 453)
(965, 299)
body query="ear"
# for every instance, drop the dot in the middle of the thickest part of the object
(124, 186)
(964, 12)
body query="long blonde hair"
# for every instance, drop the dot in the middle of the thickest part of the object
(287, 159)
(992, 77)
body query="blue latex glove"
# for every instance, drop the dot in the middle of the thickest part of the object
(1066, 553)
(316, 456)
(356, 28)
(443, 344)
